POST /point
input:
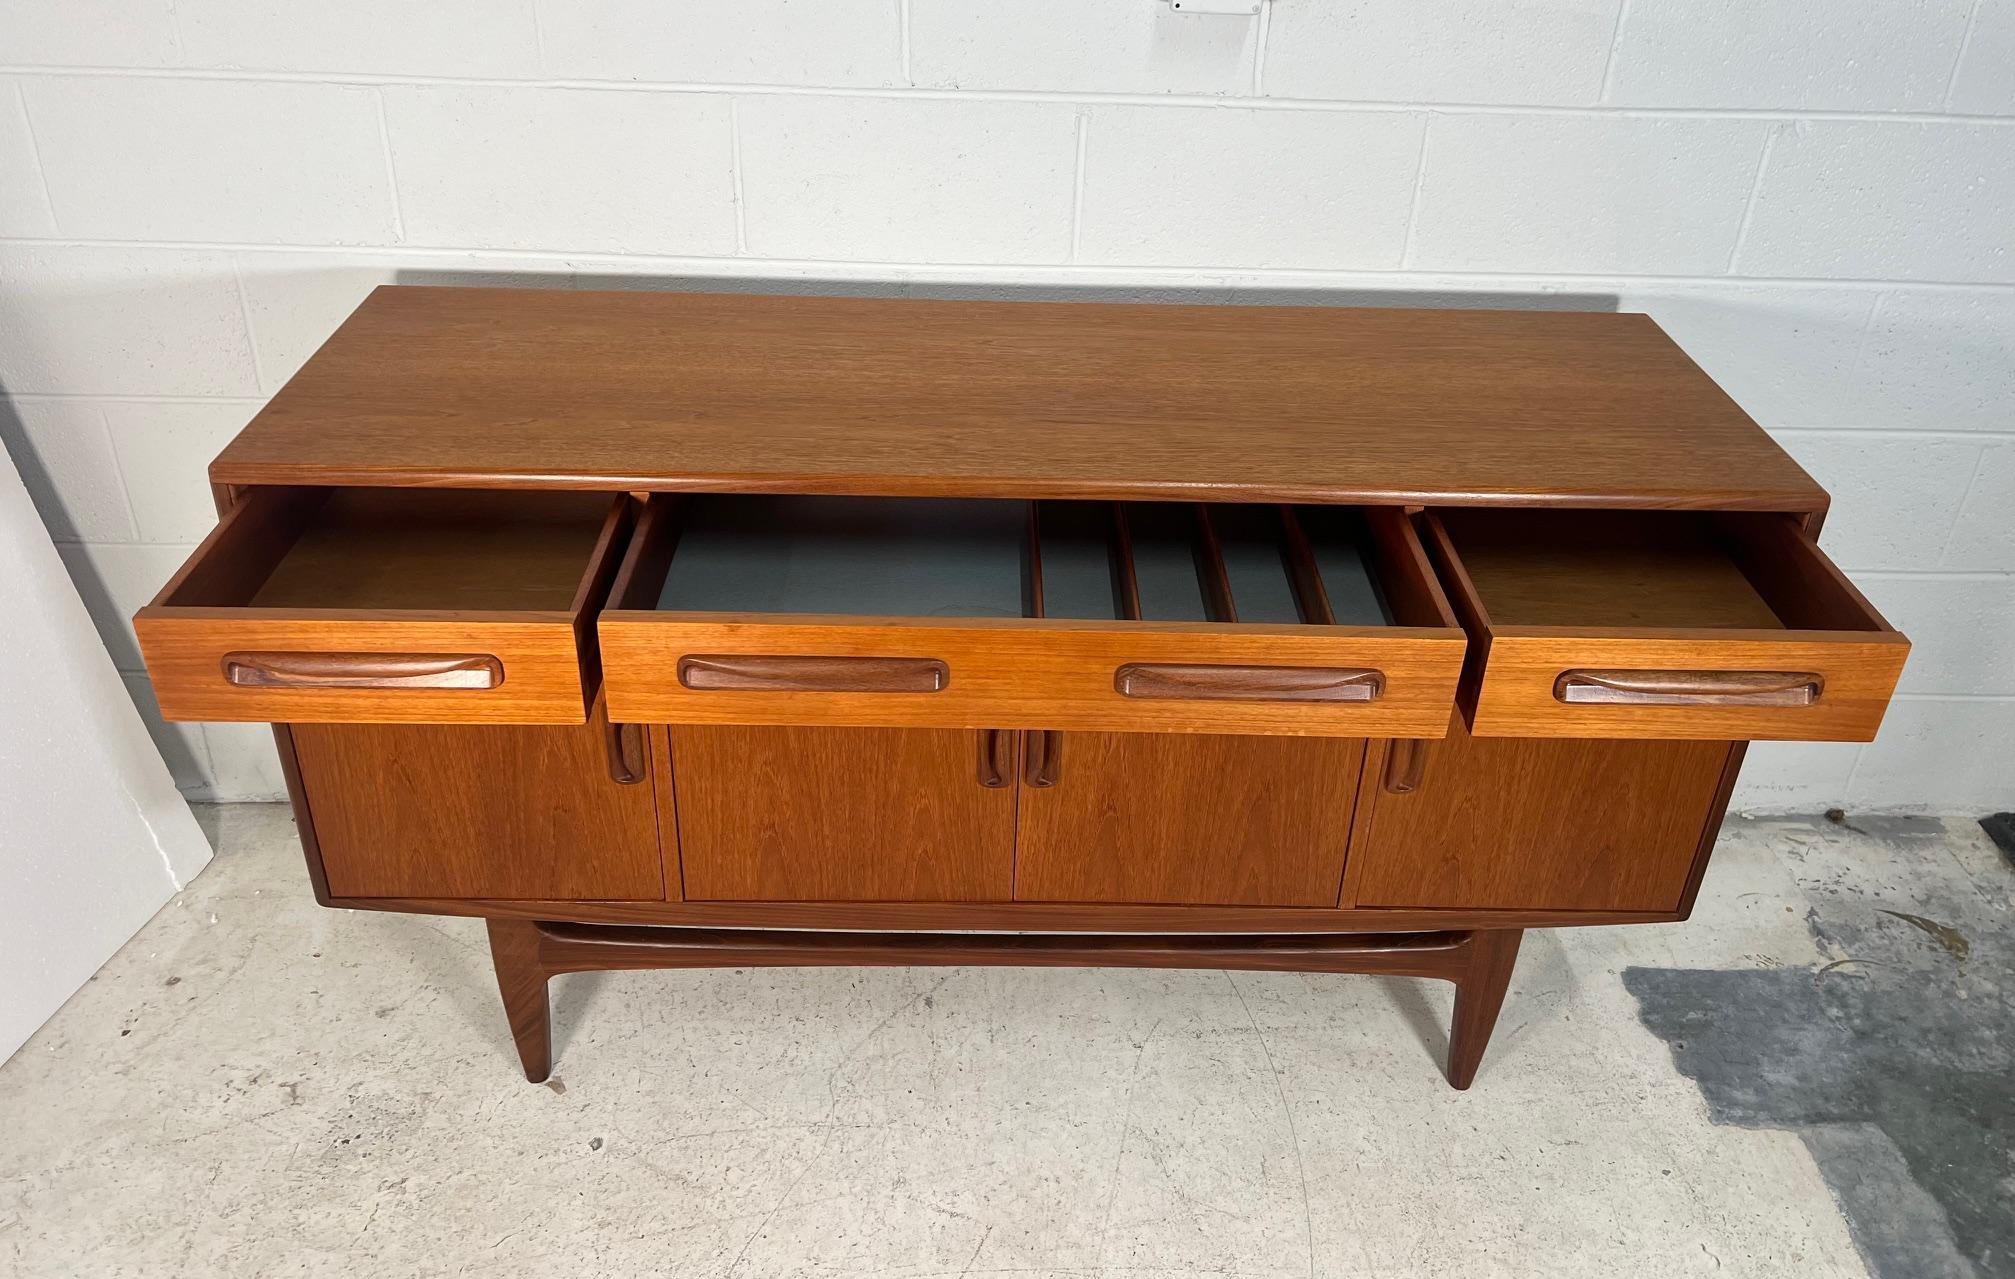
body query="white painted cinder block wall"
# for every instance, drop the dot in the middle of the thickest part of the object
(1815, 197)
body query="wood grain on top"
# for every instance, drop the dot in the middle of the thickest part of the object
(655, 390)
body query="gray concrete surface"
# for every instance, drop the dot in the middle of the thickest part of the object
(256, 1086)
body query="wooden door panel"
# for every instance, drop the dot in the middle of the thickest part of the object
(1541, 824)
(493, 810)
(1189, 819)
(840, 814)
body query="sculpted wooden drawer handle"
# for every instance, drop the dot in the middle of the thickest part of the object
(1042, 763)
(774, 674)
(1248, 683)
(995, 769)
(1688, 688)
(363, 670)
(625, 744)
(1405, 765)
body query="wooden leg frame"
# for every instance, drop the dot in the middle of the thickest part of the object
(528, 954)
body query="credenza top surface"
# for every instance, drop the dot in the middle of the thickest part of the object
(479, 387)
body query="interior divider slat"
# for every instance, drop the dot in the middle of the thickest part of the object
(1210, 569)
(1252, 542)
(1127, 578)
(1302, 571)
(1355, 572)
(1032, 593)
(1165, 562)
(1074, 569)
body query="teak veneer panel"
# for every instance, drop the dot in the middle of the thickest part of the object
(835, 814)
(1193, 819)
(526, 388)
(477, 810)
(1028, 673)
(1542, 824)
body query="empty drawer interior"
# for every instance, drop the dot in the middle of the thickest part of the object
(1665, 570)
(924, 557)
(399, 550)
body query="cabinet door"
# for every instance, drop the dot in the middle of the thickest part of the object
(506, 811)
(1187, 818)
(1543, 824)
(844, 814)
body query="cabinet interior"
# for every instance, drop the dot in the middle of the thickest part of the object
(1608, 569)
(399, 549)
(929, 557)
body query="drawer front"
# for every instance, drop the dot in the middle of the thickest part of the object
(1029, 673)
(1725, 627)
(1800, 686)
(227, 667)
(380, 606)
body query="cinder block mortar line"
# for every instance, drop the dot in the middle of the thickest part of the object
(391, 168)
(1609, 59)
(1413, 199)
(1959, 58)
(1749, 205)
(1077, 187)
(35, 153)
(735, 176)
(245, 315)
(1965, 498)
(1259, 39)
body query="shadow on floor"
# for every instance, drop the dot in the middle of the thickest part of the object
(1893, 1061)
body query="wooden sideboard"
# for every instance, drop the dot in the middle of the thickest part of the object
(671, 630)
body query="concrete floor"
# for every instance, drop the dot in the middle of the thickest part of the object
(256, 1086)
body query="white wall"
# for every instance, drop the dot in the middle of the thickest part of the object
(1816, 198)
(93, 837)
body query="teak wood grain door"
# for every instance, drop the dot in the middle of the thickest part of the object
(506, 811)
(1541, 824)
(844, 814)
(1194, 819)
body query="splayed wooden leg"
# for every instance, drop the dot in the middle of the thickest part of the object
(521, 978)
(1479, 993)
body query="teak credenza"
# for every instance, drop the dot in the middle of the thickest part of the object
(685, 630)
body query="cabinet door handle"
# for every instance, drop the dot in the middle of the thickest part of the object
(1688, 688)
(363, 670)
(1405, 764)
(994, 766)
(788, 674)
(1043, 762)
(626, 753)
(1248, 683)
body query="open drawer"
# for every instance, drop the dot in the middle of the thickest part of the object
(907, 612)
(388, 606)
(1661, 624)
